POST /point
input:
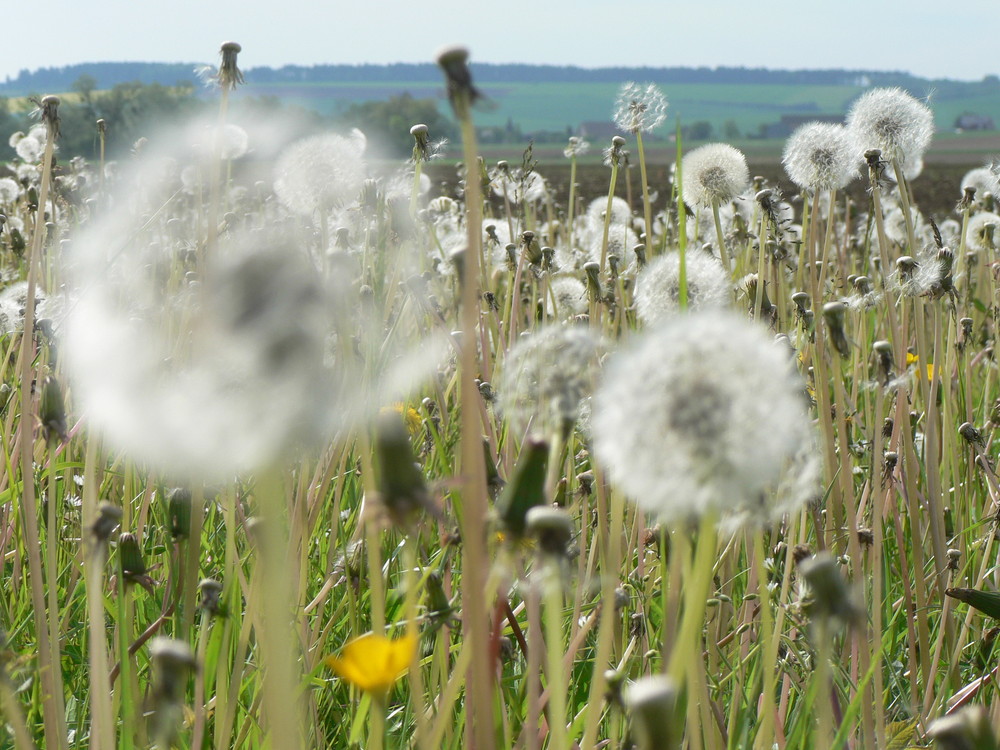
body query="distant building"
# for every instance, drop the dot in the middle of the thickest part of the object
(970, 121)
(788, 123)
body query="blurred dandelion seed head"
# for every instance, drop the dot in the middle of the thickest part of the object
(657, 294)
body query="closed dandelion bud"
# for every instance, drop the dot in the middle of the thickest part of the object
(108, 518)
(399, 480)
(173, 662)
(230, 76)
(613, 692)
(862, 285)
(552, 528)
(130, 556)
(532, 250)
(511, 252)
(967, 729)
(866, 537)
(48, 109)
(833, 314)
(889, 461)
(454, 62)
(526, 488)
(179, 512)
(887, 427)
(438, 605)
(493, 479)
(52, 410)
(652, 708)
(593, 270)
(829, 596)
(211, 596)
(640, 255)
(421, 142)
(548, 256)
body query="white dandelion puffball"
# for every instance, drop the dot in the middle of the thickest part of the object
(547, 379)
(714, 173)
(640, 108)
(983, 232)
(891, 120)
(821, 156)
(321, 172)
(207, 360)
(705, 414)
(657, 293)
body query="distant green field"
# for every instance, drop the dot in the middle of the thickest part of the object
(556, 106)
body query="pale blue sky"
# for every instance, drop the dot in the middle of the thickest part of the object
(925, 37)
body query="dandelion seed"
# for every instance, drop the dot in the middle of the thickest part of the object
(891, 120)
(821, 156)
(373, 662)
(547, 379)
(657, 293)
(640, 108)
(706, 414)
(714, 173)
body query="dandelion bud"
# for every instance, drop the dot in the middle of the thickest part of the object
(967, 729)
(399, 480)
(866, 537)
(211, 596)
(551, 527)
(593, 270)
(179, 512)
(829, 596)
(130, 556)
(173, 663)
(862, 284)
(613, 693)
(640, 255)
(48, 110)
(229, 75)
(52, 410)
(833, 314)
(652, 706)
(889, 461)
(526, 488)
(548, 257)
(108, 518)
(454, 61)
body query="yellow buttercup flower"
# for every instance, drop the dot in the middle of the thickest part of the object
(373, 662)
(913, 359)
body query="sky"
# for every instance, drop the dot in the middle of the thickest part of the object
(928, 38)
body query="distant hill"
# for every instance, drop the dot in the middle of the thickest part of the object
(548, 102)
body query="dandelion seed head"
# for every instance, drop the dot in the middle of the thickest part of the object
(321, 172)
(657, 293)
(704, 414)
(29, 149)
(10, 191)
(714, 173)
(821, 156)
(983, 231)
(980, 179)
(567, 297)
(577, 147)
(547, 378)
(891, 120)
(640, 108)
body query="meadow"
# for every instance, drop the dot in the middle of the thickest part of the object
(685, 454)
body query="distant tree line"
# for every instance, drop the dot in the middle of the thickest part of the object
(108, 74)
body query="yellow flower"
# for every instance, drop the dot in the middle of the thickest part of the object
(373, 662)
(913, 359)
(411, 417)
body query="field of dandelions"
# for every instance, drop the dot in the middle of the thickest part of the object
(326, 459)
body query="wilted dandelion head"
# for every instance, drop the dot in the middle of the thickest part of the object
(640, 108)
(577, 146)
(321, 172)
(705, 414)
(657, 293)
(714, 173)
(821, 156)
(547, 379)
(891, 120)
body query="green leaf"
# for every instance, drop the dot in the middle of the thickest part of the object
(900, 734)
